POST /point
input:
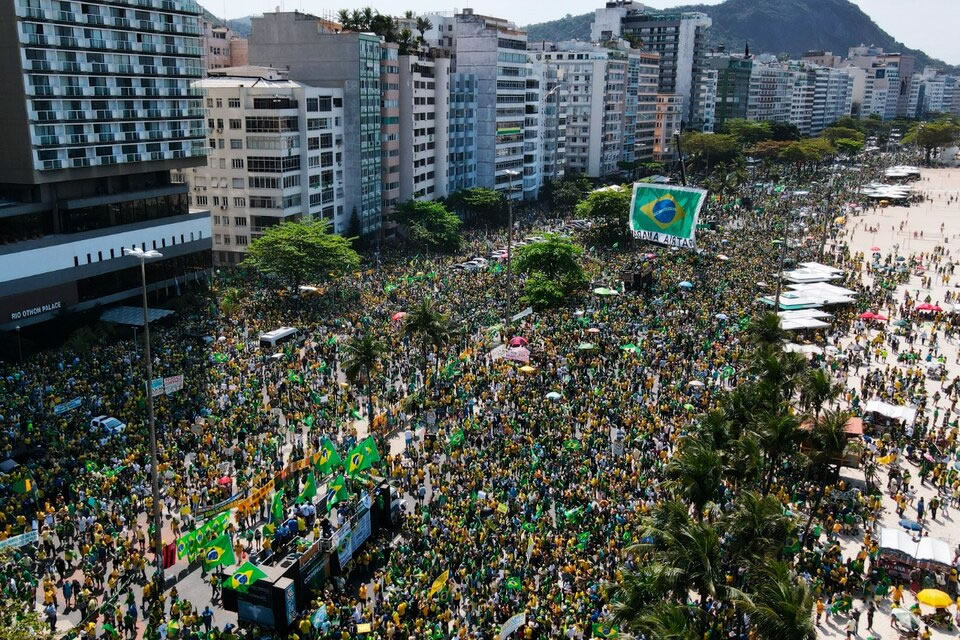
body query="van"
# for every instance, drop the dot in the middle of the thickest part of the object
(278, 336)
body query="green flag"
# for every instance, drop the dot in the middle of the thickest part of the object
(90, 465)
(246, 575)
(309, 488)
(23, 485)
(514, 583)
(337, 491)
(277, 507)
(456, 438)
(362, 456)
(605, 631)
(309, 420)
(109, 628)
(295, 377)
(186, 544)
(666, 214)
(219, 552)
(571, 444)
(327, 458)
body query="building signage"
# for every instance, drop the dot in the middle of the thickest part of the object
(35, 311)
(344, 547)
(361, 531)
(156, 387)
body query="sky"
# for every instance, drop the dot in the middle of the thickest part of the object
(928, 25)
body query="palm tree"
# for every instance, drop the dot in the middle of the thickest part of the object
(780, 606)
(778, 373)
(363, 353)
(757, 527)
(423, 25)
(715, 427)
(431, 327)
(343, 17)
(828, 440)
(818, 388)
(405, 40)
(696, 469)
(408, 14)
(666, 621)
(743, 460)
(780, 434)
(766, 330)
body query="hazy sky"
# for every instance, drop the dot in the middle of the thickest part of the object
(929, 25)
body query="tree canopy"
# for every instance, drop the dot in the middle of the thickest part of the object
(302, 251)
(429, 225)
(553, 270)
(480, 204)
(609, 210)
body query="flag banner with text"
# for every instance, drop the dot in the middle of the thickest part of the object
(666, 214)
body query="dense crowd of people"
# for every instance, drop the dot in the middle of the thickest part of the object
(558, 466)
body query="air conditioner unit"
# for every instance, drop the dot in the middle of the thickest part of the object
(223, 206)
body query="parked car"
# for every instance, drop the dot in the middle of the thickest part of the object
(107, 425)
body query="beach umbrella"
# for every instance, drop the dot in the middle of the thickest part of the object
(593, 330)
(553, 395)
(905, 619)
(869, 315)
(225, 480)
(874, 248)
(928, 307)
(722, 316)
(912, 525)
(934, 598)
(518, 341)
(901, 323)
(901, 259)
(399, 315)
(694, 383)
(528, 369)
(585, 346)
(605, 291)
(686, 284)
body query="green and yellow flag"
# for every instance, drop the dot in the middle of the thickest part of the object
(309, 488)
(219, 552)
(336, 491)
(186, 545)
(456, 438)
(246, 575)
(362, 456)
(277, 507)
(327, 458)
(23, 485)
(605, 631)
(439, 583)
(666, 214)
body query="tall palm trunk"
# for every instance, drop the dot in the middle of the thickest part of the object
(369, 387)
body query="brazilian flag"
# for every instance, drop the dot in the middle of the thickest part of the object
(219, 552)
(605, 631)
(277, 507)
(246, 575)
(362, 456)
(456, 438)
(309, 488)
(665, 214)
(514, 583)
(23, 485)
(337, 491)
(186, 545)
(327, 458)
(571, 444)
(294, 377)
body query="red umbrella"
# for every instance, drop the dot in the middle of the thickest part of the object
(518, 341)
(869, 315)
(225, 480)
(399, 315)
(926, 306)
(874, 248)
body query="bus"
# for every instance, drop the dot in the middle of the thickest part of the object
(278, 336)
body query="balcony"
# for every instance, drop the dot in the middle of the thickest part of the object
(67, 41)
(51, 164)
(78, 139)
(39, 65)
(66, 16)
(80, 162)
(46, 141)
(94, 19)
(43, 90)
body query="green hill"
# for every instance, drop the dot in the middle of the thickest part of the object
(770, 26)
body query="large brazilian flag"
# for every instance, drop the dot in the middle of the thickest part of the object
(666, 214)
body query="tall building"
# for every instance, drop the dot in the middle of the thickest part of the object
(679, 37)
(390, 149)
(461, 91)
(704, 99)
(640, 114)
(771, 94)
(319, 55)
(669, 116)
(822, 58)
(733, 86)
(423, 125)
(886, 82)
(97, 109)
(275, 155)
(222, 47)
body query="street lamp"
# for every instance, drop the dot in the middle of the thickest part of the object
(143, 256)
(506, 316)
(683, 169)
(19, 346)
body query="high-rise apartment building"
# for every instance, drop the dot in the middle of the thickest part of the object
(670, 109)
(390, 149)
(640, 114)
(222, 47)
(319, 55)
(461, 91)
(96, 110)
(733, 86)
(679, 37)
(424, 115)
(886, 83)
(771, 94)
(275, 155)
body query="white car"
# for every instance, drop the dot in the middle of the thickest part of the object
(480, 261)
(109, 425)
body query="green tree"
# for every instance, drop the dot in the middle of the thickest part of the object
(780, 434)
(848, 146)
(480, 204)
(363, 353)
(933, 135)
(766, 330)
(757, 527)
(780, 606)
(748, 132)
(707, 149)
(828, 442)
(553, 269)
(430, 327)
(429, 225)
(696, 469)
(301, 251)
(817, 389)
(423, 25)
(834, 133)
(609, 209)
(567, 192)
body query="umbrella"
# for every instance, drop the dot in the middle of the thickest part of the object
(720, 256)
(585, 346)
(593, 330)
(630, 347)
(905, 619)
(901, 259)
(686, 284)
(869, 315)
(901, 323)
(934, 598)
(928, 307)
(225, 480)
(399, 315)
(605, 291)
(528, 369)
(912, 525)
(722, 316)
(518, 341)
(694, 383)
(874, 248)
(553, 395)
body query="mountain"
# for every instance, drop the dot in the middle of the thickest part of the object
(241, 26)
(770, 26)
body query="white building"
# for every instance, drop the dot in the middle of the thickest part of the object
(705, 101)
(669, 117)
(424, 124)
(771, 94)
(275, 154)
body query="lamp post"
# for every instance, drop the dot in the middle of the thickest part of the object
(506, 316)
(19, 346)
(143, 256)
(683, 169)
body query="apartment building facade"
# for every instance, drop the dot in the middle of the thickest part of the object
(275, 155)
(97, 109)
(222, 47)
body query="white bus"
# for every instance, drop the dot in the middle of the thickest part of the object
(278, 336)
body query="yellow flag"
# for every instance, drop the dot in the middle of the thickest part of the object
(439, 583)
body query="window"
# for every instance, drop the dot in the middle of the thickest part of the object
(326, 103)
(202, 201)
(216, 240)
(237, 163)
(236, 144)
(226, 238)
(239, 202)
(260, 202)
(241, 240)
(219, 103)
(236, 123)
(233, 103)
(216, 201)
(263, 182)
(238, 183)
(312, 104)
(240, 221)
(291, 181)
(216, 220)
(313, 144)
(220, 143)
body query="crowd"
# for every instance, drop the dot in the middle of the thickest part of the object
(557, 468)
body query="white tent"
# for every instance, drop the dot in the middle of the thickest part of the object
(906, 414)
(927, 550)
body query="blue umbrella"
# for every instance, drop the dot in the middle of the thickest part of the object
(686, 284)
(910, 524)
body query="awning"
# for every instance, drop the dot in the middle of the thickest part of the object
(897, 412)
(927, 550)
(133, 316)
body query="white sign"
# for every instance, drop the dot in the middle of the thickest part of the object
(513, 624)
(172, 384)
(19, 541)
